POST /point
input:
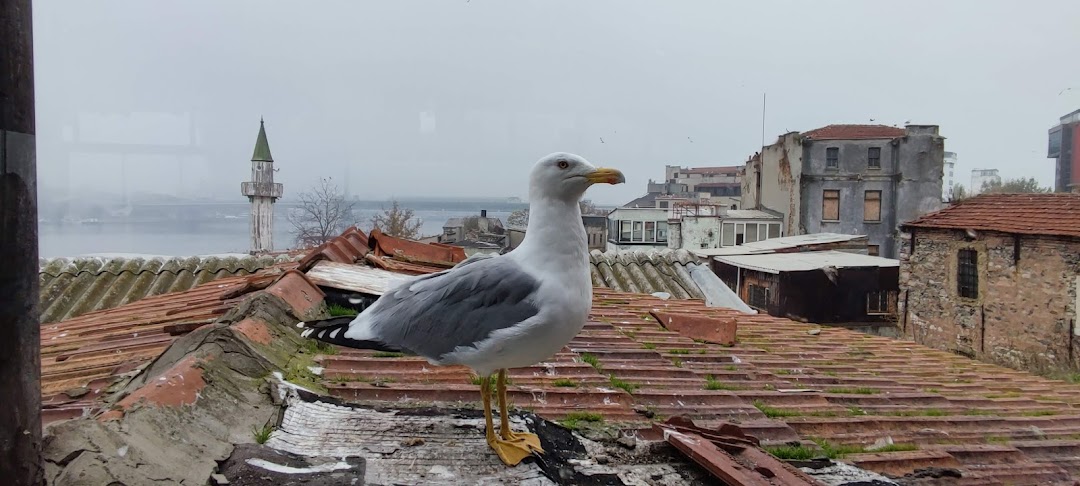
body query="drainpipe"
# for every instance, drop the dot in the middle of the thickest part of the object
(20, 361)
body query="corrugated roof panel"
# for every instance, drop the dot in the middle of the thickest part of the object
(803, 261)
(74, 286)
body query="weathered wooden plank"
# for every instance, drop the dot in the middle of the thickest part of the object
(357, 278)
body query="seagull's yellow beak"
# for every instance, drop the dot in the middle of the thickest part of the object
(605, 175)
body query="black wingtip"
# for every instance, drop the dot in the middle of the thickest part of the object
(333, 330)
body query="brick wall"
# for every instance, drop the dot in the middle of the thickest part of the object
(1025, 314)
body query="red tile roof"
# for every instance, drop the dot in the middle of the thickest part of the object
(780, 382)
(854, 132)
(1033, 214)
(83, 356)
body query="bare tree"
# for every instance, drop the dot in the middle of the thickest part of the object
(957, 193)
(323, 214)
(520, 218)
(1021, 185)
(397, 221)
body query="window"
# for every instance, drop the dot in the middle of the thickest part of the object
(661, 231)
(872, 206)
(873, 250)
(967, 274)
(774, 230)
(830, 205)
(873, 158)
(637, 231)
(832, 158)
(624, 234)
(727, 234)
(758, 296)
(751, 233)
(650, 231)
(663, 204)
(877, 303)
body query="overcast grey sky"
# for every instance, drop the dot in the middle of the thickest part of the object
(459, 98)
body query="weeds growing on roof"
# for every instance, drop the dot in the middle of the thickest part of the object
(387, 354)
(792, 453)
(592, 360)
(336, 310)
(565, 382)
(677, 362)
(773, 412)
(1039, 413)
(262, 434)
(648, 345)
(731, 368)
(1003, 395)
(711, 383)
(862, 390)
(625, 385)
(314, 346)
(679, 351)
(575, 420)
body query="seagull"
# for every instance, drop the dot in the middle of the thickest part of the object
(492, 313)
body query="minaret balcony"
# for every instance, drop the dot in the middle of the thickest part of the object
(261, 189)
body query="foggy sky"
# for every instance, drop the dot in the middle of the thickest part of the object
(459, 98)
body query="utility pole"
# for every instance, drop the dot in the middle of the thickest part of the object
(20, 362)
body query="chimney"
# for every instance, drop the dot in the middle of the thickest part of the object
(483, 213)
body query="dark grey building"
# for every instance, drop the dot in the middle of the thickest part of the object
(1063, 147)
(850, 179)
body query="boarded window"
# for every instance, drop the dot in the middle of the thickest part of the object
(967, 274)
(873, 250)
(830, 206)
(758, 296)
(873, 158)
(661, 231)
(872, 206)
(650, 231)
(832, 158)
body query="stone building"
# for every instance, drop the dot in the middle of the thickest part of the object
(853, 179)
(995, 278)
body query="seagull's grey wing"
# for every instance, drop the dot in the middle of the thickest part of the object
(459, 307)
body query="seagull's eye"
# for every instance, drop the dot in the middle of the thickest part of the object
(563, 164)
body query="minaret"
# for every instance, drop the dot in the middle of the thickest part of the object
(262, 192)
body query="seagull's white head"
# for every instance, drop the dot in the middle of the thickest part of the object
(563, 176)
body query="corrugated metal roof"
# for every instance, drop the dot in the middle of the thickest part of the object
(773, 244)
(646, 272)
(810, 260)
(74, 286)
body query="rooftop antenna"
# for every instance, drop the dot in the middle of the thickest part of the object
(763, 94)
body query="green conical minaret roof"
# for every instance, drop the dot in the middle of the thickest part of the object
(262, 147)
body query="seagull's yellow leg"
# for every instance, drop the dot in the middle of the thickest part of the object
(510, 452)
(529, 440)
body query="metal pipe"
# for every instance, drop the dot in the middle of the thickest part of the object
(20, 378)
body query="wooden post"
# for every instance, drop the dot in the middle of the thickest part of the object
(20, 365)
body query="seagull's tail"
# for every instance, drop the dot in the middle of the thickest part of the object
(333, 330)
